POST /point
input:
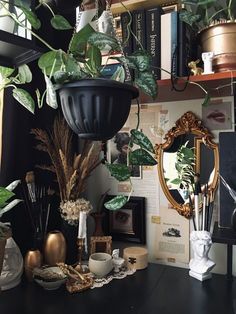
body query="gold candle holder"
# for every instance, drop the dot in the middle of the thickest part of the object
(80, 246)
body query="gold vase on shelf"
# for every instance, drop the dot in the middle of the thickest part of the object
(33, 259)
(55, 248)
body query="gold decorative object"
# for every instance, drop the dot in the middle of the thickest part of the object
(55, 248)
(221, 39)
(33, 259)
(188, 124)
(100, 244)
(195, 70)
(76, 281)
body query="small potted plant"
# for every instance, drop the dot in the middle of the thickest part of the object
(95, 107)
(5, 232)
(214, 21)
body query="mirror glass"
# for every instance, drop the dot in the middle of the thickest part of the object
(187, 155)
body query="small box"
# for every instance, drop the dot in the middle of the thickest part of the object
(136, 257)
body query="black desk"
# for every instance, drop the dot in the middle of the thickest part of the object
(157, 290)
(226, 236)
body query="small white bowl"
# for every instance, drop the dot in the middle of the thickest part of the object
(100, 264)
(54, 284)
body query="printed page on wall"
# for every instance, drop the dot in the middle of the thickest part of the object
(172, 243)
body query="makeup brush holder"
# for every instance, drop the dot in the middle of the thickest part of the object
(201, 265)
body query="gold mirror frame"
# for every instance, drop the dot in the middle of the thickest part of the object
(188, 123)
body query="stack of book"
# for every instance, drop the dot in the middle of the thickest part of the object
(167, 39)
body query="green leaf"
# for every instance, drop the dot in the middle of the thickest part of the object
(176, 181)
(119, 171)
(52, 60)
(102, 41)
(32, 18)
(60, 77)
(142, 140)
(206, 100)
(51, 97)
(147, 83)
(141, 59)
(60, 23)
(141, 157)
(94, 59)
(79, 41)
(9, 206)
(119, 75)
(6, 72)
(189, 17)
(25, 75)
(117, 202)
(24, 98)
(5, 195)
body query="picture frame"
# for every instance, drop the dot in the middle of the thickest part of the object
(127, 224)
(218, 115)
(116, 154)
(100, 244)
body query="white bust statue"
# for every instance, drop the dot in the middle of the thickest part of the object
(201, 265)
(12, 266)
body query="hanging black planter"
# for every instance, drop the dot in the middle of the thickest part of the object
(96, 109)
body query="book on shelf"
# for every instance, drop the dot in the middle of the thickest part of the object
(186, 48)
(139, 29)
(125, 20)
(153, 38)
(169, 43)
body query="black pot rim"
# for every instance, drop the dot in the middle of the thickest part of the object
(101, 82)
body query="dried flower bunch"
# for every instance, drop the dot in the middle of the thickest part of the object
(71, 169)
(70, 210)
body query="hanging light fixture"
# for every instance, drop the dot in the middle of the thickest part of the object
(16, 43)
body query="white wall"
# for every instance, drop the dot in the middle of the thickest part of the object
(149, 187)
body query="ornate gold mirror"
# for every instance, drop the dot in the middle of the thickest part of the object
(190, 144)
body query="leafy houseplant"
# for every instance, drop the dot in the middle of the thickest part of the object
(185, 162)
(214, 21)
(77, 68)
(5, 205)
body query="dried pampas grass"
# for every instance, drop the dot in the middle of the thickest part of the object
(71, 169)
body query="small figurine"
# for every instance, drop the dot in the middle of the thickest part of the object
(194, 69)
(201, 265)
(117, 261)
(207, 58)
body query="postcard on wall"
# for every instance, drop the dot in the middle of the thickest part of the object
(172, 237)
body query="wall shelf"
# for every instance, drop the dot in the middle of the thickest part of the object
(16, 50)
(210, 82)
(131, 5)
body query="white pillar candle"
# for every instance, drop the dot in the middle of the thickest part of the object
(82, 225)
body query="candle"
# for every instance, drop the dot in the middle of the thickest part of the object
(82, 225)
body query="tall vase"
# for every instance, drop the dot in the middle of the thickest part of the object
(70, 233)
(55, 248)
(33, 259)
(98, 217)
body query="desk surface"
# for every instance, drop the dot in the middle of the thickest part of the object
(156, 290)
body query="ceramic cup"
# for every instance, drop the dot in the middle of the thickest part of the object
(100, 264)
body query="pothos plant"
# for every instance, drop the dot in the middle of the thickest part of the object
(184, 165)
(200, 14)
(82, 59)
(141, 156)
(7, 204)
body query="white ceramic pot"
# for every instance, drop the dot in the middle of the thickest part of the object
(100, 264)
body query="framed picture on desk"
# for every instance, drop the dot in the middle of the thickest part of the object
(127, 223)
